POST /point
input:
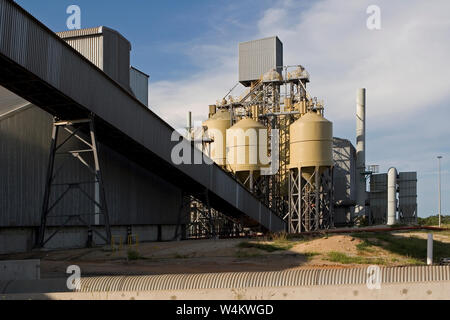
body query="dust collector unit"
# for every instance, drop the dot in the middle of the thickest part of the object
(310, 177)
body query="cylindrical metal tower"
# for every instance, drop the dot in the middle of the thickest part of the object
(361, 194)
(391, 196)
(310, 178)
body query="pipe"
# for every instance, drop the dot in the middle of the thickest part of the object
(430, 249)
(361, 194)
(391, 196)
(189, 125)
(439, 188)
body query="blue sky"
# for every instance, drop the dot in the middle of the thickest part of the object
(158, 30)
(189, 48)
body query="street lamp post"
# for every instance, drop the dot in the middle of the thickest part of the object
(439, 187)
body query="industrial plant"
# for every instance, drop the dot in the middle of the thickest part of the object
(86, 161)
(314, 181)
(101, 198)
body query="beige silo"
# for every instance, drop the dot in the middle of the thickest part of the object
(216, 128)
(311, 142)
(310, 174)
(244, 141)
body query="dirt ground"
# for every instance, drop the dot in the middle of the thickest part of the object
(227, 255)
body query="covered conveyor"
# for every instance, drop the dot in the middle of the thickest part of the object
(42, 68)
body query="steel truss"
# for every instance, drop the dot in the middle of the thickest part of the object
(206, 222)
(75, 131)
(266, 101)
(310, 200)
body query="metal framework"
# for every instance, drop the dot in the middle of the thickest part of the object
(276, 103)
(75, 130)
(310, 200)
(206, 222)
(203, 221)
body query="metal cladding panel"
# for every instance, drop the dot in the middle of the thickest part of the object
(116, 56)
(344, 157)
(80, 32)
(378, 198)
(91, 47)
(407, 198)
(134, 195)
(105, 48)
(23, 153)
(139, 85)
(68, 75)
(259, 56)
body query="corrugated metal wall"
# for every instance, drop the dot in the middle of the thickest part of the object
(134, 195)
(407, 198)
(344, 178)
(259, 56)
(116, 57)
(344, 157)
(378, 198)
(91, 47)
(105, 48)
(139, 85)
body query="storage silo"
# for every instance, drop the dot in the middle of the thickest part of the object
(246, 144)
(216, 129)
(310, 178)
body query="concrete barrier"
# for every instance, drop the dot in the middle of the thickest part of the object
(391, 291)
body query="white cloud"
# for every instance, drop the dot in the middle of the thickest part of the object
(404, 66)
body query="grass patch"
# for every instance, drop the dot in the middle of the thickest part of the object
(343, 258)
(133, 255)
(412, 248)
(280, 237)
(364, 246)
(269, 247)
(309, 255)
(245, 254)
